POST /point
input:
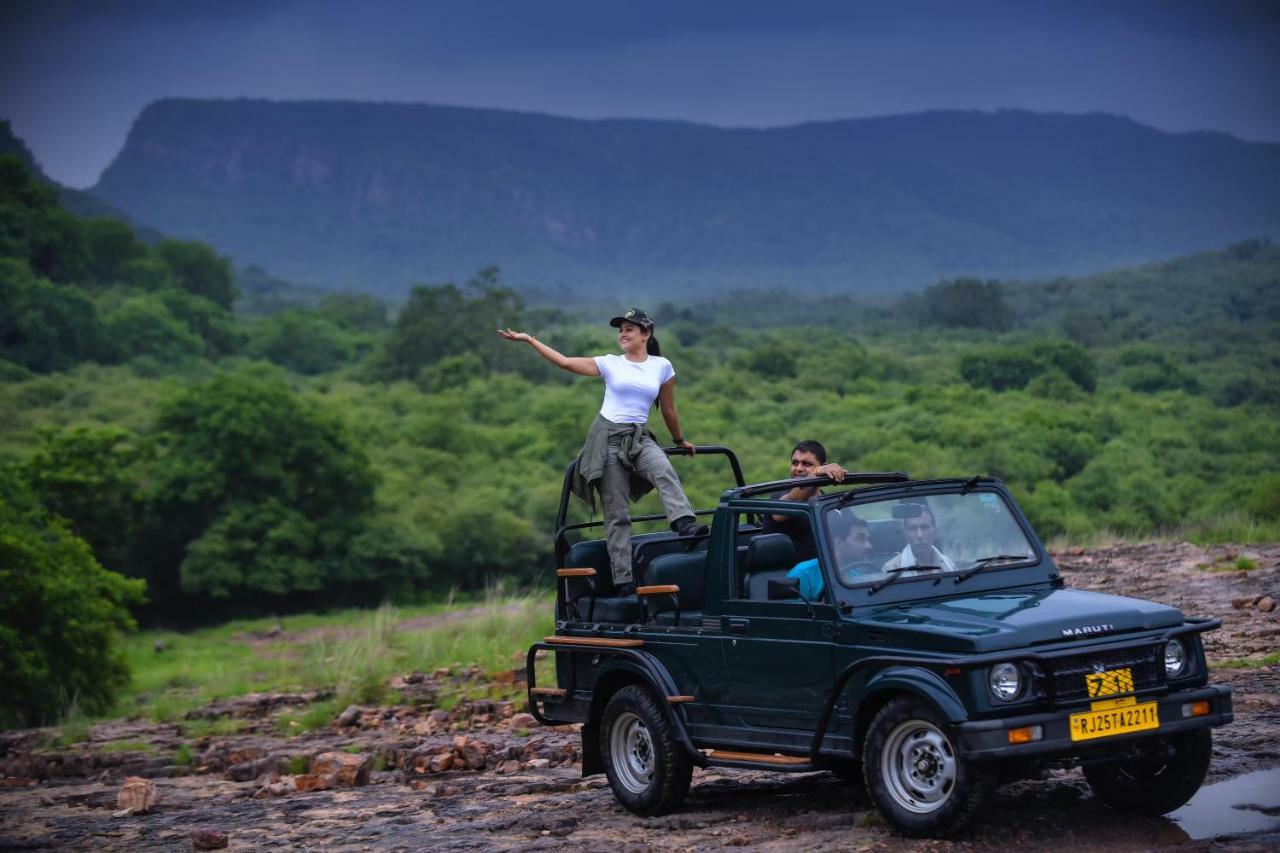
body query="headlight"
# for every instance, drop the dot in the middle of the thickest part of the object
(1175, 659)
(1005, 681)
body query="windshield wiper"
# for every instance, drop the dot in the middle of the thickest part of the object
(984, 562)
(896, 575)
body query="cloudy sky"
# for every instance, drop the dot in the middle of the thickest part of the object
(75, 73)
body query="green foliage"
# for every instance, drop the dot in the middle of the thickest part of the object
(199, 270)
(141, 325)
(113, 251)
(307, 342)
(438, 322)
(44, 326)
(966, 303)
(87, 475)
(1006, 368)
(256, 492)
(60, 615)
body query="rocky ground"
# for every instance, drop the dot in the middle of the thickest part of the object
(485, 776)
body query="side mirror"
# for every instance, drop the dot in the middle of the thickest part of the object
(782, 589)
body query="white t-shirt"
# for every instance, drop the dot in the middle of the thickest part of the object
(630, 387)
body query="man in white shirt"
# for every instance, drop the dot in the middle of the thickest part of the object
(921, 531)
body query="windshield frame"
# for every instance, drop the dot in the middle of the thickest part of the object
(859, 592)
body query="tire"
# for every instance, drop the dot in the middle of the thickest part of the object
(914, 774)
(647, 766)
(1156, 785)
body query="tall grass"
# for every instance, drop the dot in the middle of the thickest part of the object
(354, 653)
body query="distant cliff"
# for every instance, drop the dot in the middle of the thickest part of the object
(378, 196)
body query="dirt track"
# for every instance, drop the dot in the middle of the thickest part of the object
(529, 794)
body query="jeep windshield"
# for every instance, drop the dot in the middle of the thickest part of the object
(879, 543)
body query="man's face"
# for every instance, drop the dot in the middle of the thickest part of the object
(803, 464)
(921, 530)
(857, 544)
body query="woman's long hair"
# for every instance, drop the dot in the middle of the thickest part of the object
(651, 345)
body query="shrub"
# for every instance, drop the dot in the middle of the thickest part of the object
(60, 615)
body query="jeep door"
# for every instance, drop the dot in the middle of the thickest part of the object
(779, 654)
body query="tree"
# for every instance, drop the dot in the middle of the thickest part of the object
(447, 320)
(45, 326)
(89, 477)
(967, 303)
(257, 492)
(303, 341)
(199, 270)
(112, 250)
(60, 615)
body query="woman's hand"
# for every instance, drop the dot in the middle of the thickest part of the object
(523, 337)
(686, 446)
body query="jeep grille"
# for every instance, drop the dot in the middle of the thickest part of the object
(1067, 676)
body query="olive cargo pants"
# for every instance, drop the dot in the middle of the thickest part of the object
(615, 493)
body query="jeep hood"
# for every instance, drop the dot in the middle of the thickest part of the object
(994, 621)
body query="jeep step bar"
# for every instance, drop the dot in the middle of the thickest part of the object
(759, 761)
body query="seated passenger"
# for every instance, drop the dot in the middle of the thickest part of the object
(854, 549)
(810, 575)
(921, 531)
(808, 459)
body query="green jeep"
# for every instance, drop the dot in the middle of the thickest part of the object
(931, 649)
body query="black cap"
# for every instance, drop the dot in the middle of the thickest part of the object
(633, 315)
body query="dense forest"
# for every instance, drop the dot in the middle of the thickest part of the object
(370, 197)
(180, 443)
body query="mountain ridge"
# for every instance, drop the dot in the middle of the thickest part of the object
(376, 196)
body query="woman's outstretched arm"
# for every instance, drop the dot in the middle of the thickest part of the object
(574, 364)
(667, 405)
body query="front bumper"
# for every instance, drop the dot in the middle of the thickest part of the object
(989, 739)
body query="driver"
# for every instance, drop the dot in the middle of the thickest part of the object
(921, 530)
(854, 550)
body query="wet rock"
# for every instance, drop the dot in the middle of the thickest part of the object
(203, 838)
(522, 721)
(137, 795)
(342, 769)
(440, 763)
(247, 771)
(1266, 604)
(1242, 602)
(309, 782)
(276, 789)
(414, 678)
(160, 646)
(348, 717)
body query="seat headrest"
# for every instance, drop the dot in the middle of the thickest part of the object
(770, 551)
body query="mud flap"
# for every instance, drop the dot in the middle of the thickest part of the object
(591, 761)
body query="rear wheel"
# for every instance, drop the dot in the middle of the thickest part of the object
(1158, 783)
(914, 774)
(647, 767)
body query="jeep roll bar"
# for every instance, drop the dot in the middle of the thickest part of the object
(567, 489)
(850, 479)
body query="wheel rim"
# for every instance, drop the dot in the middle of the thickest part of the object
(631, 748)
(918, 766)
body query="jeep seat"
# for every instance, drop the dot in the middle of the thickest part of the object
(687, 571)
(592, 553)
(887, 539)
(769, 557)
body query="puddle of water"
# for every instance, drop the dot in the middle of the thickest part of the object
(1247, 803)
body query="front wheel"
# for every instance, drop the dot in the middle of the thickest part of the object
(1155, 784)
(647, 767)
(914, 774)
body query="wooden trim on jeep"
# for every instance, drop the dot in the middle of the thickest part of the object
(600, 642)
(676, 700)
(661, 589)
(757, 757)
(575, 573)
(548, 691)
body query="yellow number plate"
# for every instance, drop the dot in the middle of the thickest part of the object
(1088, 725)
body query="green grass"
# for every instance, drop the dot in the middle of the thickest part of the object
(222, 726)
(127, 746)
(182, 756)
(353, 652)
(296, 765)
(1248, 663)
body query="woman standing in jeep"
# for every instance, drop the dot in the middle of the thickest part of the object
(620, 458)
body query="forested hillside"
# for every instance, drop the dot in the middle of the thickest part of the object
(326, 452)
(376, 197)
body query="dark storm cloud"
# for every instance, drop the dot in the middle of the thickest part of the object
(74, 75)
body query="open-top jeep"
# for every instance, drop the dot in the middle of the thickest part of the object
(932, 650)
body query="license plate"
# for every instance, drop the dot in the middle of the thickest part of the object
(1105, 722)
